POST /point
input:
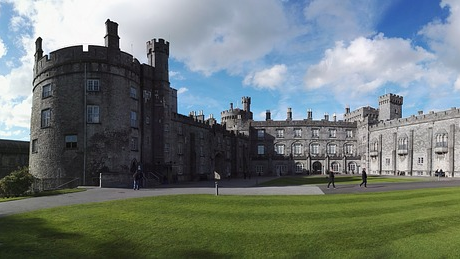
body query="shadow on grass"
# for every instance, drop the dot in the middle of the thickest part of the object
(24, 237)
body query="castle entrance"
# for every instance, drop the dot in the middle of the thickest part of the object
(316, 167)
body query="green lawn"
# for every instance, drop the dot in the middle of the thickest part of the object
(347, 179)
(404, 224)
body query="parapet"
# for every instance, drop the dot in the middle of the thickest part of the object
(76, 54)
(158, 45)
(392, 98)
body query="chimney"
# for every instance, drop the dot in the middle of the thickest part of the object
(112, 41)
(309, 114)
(289, 114)
(231, 106)
(326, 116)
(347, 109)
(267, 115)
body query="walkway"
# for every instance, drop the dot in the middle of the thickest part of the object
(232, 187)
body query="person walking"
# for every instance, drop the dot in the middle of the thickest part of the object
(138, 175)
(331, 179)
(364, 177)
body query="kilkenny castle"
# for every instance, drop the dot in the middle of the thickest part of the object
(99, 114)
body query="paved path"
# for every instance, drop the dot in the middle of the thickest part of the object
(232, 187)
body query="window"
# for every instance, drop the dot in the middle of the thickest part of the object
(314, 149)
(133, 93)
(332, 133)
(402, 144)
(92, 85)
(387, 161)
(420, 160)
(260, 134)
(374, 146)
(297, 133)
(46, 92)
(349, 133)
(441, 140)
(166, 127)
(71, 141)
(92, 114)
(260, 150)
(279, 149)
(133, 119)
(315, 133)
(352, 167)
(332, 149)
(201, 135)
(335, 167)
(34, 146)
(179, 130)
(297, 149)
(166, 147)
(280, 133)
(298, 168)
(180, 148)
(46, 118)
(259, 169)
(349, 149)
(134, 144)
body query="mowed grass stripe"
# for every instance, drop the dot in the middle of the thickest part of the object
(404, 224)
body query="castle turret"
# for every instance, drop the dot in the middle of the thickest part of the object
(390, 107)
(158, 55)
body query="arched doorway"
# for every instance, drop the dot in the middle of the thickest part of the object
(219, 165)
(316, 167)
(352, 168)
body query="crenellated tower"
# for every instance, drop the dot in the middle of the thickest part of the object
(390, 107)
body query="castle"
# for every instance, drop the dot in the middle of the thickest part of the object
(101, 113)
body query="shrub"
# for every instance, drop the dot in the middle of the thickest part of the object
(17, 183)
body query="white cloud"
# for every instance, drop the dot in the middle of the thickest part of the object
(182, 90)
(269, 78)
(345, 19)
(366, 64)
(3, 49)
(443, 36)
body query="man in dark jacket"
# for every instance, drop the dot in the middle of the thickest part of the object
(364, 177)
(331, 179)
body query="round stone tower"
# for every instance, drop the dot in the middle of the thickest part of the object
(85, 112)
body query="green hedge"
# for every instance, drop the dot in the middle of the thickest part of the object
(17, 183)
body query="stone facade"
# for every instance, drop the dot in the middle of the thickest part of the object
(13, 155)
(99, 111)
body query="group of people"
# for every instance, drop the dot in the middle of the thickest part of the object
(332, 178)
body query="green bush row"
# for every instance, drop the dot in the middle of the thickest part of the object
(17, 183)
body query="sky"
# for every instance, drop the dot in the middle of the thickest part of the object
(322, 55)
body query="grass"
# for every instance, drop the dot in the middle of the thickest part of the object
(303, 180)
(44, 193)
(404, 224)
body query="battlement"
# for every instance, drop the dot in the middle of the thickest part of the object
(75, 54)
(391, 98)
(416, 119)
(158, 45)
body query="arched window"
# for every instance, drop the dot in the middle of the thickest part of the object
(299, 168)
(335, 167)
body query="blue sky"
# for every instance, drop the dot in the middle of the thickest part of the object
(314, 54)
